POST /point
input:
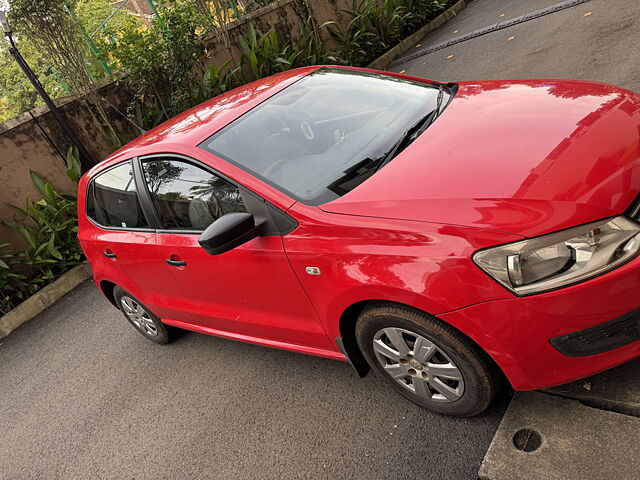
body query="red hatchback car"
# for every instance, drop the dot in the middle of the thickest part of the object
(445, 235)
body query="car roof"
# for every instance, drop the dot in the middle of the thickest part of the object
(193, 126)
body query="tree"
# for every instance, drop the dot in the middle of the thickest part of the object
(53, 28)
(163, 63)
(53, 36)
(16, 93)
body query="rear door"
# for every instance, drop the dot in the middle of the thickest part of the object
(250, 291)
(121, 243)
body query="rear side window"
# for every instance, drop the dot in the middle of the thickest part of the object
(112, 199)
(187, 197)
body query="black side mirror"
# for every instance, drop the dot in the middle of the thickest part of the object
(228, 232)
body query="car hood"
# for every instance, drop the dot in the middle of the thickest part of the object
(523, 157)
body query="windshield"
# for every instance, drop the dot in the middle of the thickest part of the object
(325, 134)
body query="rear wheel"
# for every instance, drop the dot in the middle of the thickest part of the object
(427, 361)
(142, 319)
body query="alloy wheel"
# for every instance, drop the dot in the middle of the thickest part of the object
(418, 364)
(139, 316)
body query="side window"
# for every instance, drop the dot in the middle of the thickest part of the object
(112, 200)
(188, 197)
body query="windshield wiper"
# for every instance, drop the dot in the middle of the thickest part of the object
(362, 170)
(414, 132)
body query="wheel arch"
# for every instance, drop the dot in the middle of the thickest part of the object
(107, 287)
(347, 326)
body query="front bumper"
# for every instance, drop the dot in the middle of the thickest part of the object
(518, 332)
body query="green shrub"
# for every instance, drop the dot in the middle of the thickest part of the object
(13, 285)
(219, 80)
(263, 53)
(164, 63)
(49, 228)
(378, 25)
(312, 45)
(161, 63)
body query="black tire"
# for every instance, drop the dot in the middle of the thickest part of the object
(479, 378)
(151, 328)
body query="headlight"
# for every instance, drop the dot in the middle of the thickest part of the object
(563, 258)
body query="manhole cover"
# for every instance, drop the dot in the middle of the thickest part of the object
(527, 440)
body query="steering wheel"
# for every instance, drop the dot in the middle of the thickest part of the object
(307, 130)
(301, 125)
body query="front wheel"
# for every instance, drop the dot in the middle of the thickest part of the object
(427, 361)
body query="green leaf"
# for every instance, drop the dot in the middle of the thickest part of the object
(37, 181)
(251, 33)
(18, 209)
(28, 236)
(12, 224)
(74, 169)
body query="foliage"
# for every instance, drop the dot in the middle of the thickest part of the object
(377, 25)
(357, 45)
(53, 27)
(74, 168)
(264, 54)
(219, 80)
(160, 63)
(16, 93)
(215, 13)
(312, 44)
(56, 33)
(422, 11)
(49, 228)
(12, 284)
(92, 13)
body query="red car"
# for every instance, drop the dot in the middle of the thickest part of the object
(446, 235)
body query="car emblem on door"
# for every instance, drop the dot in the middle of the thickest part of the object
(312, 270)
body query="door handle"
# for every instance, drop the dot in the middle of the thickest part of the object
(109, 254)
(176, 263)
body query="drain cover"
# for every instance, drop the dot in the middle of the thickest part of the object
(527, 440)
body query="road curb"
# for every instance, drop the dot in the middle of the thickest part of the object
(552, 438)
(43, 299)
(385, 60)
(616, 390)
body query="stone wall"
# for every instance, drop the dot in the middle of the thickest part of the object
(35, 141)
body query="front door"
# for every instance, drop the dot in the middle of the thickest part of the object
(250, 291)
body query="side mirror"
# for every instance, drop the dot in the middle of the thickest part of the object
(228, 232)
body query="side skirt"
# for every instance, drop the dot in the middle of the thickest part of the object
(257, 341)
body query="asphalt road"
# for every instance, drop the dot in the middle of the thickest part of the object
(601, 46)
(82, 395)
